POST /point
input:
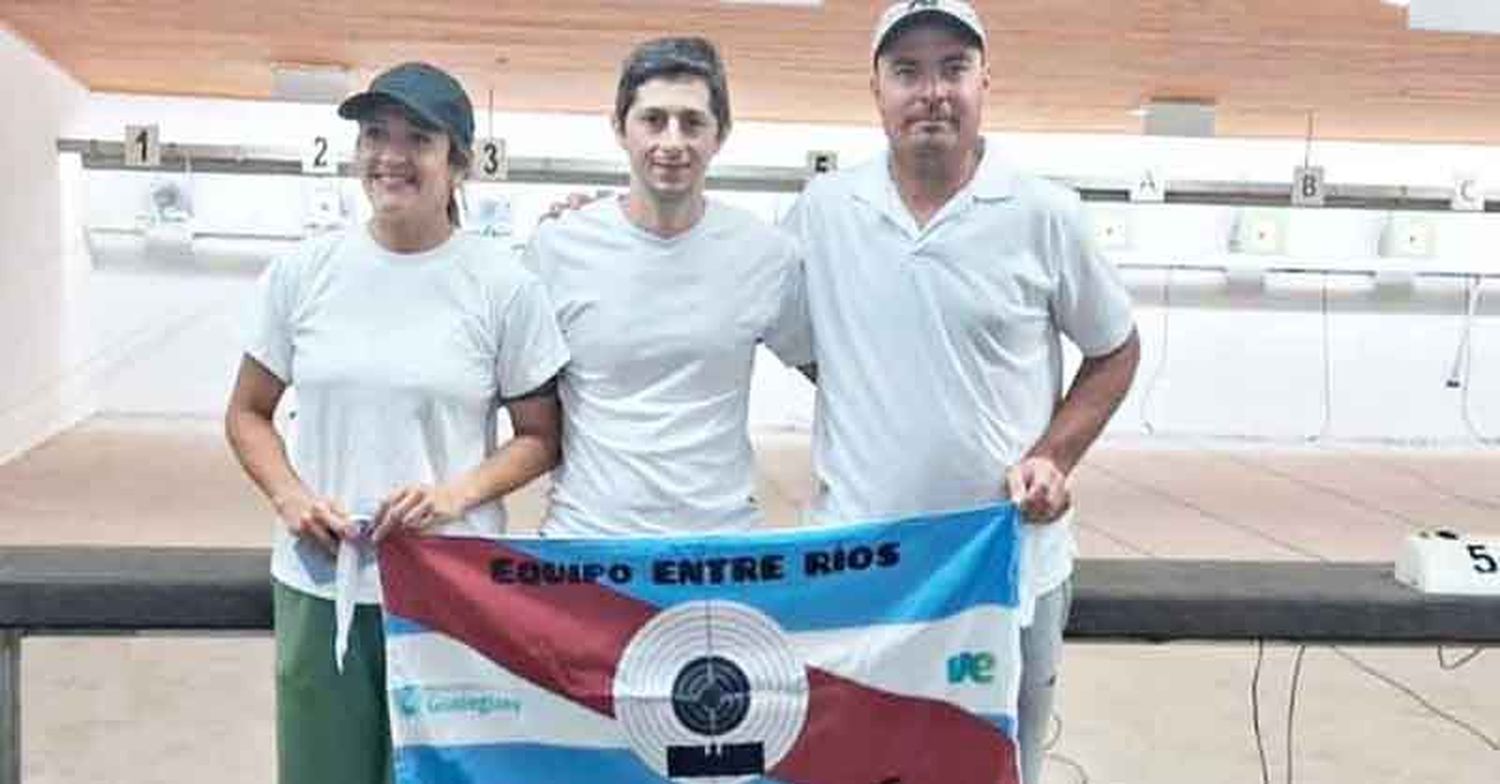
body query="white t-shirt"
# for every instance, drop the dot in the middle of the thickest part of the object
(663, 332)
(398, 363)
(939, 361)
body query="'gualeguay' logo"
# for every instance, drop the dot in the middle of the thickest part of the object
(411, 701)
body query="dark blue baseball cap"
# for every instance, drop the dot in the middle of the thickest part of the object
(427, 92)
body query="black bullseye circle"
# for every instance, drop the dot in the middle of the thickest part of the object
(711, 696)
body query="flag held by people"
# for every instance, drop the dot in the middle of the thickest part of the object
(877, 653)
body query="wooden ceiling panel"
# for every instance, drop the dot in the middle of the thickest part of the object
(1064, 65)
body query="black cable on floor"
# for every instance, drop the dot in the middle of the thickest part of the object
(1056, 732)
(1291, 709)
(1260, 748)
(1083, 773)
(1260, 745)
(1462, 660)
(1423, 701)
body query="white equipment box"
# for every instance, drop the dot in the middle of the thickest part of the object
(1447, 562)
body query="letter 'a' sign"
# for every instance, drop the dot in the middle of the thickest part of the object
(1148, 187)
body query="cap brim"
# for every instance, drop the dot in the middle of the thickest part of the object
(910, 20)
(361, 104)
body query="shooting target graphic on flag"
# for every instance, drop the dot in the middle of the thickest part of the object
(710, 692)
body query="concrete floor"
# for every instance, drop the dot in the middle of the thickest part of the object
(133, 710)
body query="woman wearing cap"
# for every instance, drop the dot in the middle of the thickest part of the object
(400, 338)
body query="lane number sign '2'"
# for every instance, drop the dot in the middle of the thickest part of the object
(318, 158)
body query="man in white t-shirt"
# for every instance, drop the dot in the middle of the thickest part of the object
(662, 296)
(939, 282)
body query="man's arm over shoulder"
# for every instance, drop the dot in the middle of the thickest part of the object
(789, 334)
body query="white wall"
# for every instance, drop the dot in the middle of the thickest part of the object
(1222, 360)
(1249, 359)
(1256, 366)
(43, 271)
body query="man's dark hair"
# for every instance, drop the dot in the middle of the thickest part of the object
(674, 58)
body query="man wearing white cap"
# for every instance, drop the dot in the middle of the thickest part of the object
(939, 282)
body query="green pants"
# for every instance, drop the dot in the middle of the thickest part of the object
(331, 727)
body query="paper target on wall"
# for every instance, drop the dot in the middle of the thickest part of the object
(710, 691)
(166, 223)
(323, 205)
(168, 202)
(489, 214)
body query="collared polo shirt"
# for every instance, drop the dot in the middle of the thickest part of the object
(939, 347)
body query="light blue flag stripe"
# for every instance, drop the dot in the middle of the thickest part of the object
(1007, 724)
(524, 763)
(396, 626)
(935, 577)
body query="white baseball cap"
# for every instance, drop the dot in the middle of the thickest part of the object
(898, 13)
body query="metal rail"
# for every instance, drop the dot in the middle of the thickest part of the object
(73, 590)
(251, 159)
